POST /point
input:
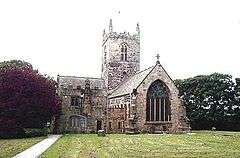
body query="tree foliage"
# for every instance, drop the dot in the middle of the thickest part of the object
(211, 101)
(12, 64)
(27, 98)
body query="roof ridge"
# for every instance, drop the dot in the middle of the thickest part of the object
(130, 78)
(80, 77)
(144, 70)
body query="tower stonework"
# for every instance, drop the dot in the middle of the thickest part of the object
(120, 56)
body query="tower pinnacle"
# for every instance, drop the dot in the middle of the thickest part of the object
(104, 32)
(110, 26)
(138, 29)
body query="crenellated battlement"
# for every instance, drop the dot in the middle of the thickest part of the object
(122, 35)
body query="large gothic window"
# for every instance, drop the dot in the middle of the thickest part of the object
(158, 103)
(124, 52)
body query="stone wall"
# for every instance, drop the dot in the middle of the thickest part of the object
(118, 112)
(124, 111)
(117, 118)
(177, 123)
(114, 70)
(93, 108)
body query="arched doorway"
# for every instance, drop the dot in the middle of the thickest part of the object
(158, 103)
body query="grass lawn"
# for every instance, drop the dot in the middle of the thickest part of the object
(200, 144)
(11, 147)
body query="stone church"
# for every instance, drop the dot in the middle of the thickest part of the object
(125, 98)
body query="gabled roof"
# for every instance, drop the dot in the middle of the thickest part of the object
(80, 81)
(131, 83)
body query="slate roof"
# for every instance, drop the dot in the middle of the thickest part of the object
(74, 81)
(131, 83)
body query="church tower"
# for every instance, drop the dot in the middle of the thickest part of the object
(120, 56)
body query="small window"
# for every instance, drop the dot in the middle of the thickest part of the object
(75, 101)
(119, 125)
(110, 125)
(122, 57)
(124, 75)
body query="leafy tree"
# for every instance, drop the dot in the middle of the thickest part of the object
(211, 101)
(15, 64)
(27, 98)
(238, 85)
(237, 108)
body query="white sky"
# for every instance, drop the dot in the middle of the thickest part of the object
(64, 37)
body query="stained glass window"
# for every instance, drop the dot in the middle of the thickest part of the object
(157, 103)
(157, 90)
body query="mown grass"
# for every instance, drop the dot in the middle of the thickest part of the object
(11, 147)
(200, 144)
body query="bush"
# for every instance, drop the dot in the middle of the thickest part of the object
(23, 133)
(101, 133)
(9, 128)
(143, 132)
(213, 128)
(36, 132)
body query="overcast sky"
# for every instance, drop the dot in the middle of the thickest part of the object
(64, 37)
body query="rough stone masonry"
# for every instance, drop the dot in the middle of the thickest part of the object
(124, 99)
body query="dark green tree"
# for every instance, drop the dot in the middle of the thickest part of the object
(210, 100)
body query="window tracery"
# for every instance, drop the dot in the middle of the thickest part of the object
(158, 103)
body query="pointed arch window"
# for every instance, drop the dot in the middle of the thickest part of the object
(158, 103)
(124, 52)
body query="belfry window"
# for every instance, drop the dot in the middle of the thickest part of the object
(122, 57)
(124, 52)
(158, 103)
(122, 48)
(125, 56)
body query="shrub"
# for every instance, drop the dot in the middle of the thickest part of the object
(36, 132)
